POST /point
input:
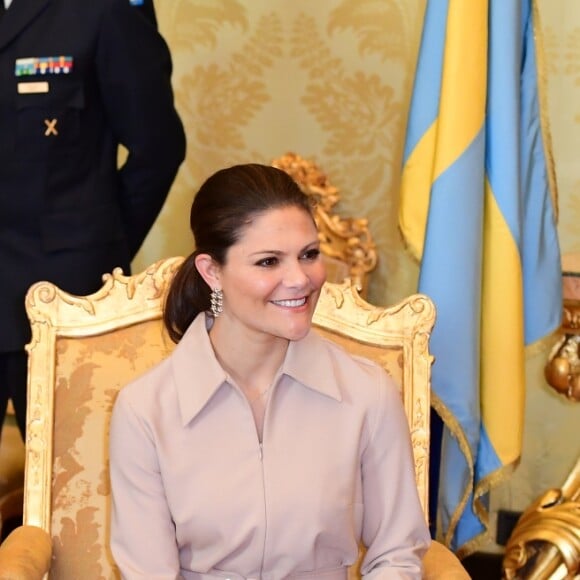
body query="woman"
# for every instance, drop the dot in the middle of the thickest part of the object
(258, 449)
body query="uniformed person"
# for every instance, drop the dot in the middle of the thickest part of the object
(78, 78)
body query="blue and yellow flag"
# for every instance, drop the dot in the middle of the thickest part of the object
(477, 211)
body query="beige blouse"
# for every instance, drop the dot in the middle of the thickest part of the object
(197, 496)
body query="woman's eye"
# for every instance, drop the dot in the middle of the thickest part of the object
(267, 262)
(311, 254)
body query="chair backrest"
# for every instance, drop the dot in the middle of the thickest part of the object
(84, 349)
(346, 242)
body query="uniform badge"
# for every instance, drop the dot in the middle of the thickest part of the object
(43, 65)
(50, 125)
(31, 88)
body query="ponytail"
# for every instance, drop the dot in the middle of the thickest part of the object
(188, 296)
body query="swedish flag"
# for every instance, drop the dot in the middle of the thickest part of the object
(476, 209)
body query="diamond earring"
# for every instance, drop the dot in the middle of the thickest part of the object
(217, 301)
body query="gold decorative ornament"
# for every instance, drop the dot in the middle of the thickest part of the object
(563, 368)
(545, 543)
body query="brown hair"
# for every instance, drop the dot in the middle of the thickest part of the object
(225, 204)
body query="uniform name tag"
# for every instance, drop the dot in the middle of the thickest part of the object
(31, 88)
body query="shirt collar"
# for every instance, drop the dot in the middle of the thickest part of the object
(309, 362)
(196, 371)
(198, 374)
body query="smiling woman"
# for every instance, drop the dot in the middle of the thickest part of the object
(270, 282)
(210, 447)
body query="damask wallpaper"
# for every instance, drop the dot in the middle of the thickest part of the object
(331, 80)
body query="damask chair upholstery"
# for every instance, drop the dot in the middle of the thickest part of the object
(84, 349)
(346, 242)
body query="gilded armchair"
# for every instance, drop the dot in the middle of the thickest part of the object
(84, 349)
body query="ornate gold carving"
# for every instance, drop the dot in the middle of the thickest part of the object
(546, 539)
(35, 441)
(563, 368)
(346, 239)
(420, 441)
(571, 320)
(310, 179)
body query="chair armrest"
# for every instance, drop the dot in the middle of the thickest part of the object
(441, 563)
(25, 554)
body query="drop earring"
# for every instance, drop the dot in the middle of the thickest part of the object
(216, 302)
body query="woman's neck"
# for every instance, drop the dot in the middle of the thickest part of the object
(251, 361)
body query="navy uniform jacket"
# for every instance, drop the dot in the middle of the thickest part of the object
(67, 214)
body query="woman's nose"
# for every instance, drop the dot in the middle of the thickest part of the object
(295, 275)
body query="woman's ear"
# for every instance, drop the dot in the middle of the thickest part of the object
(208, 269)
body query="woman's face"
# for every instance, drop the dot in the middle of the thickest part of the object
(272, 277)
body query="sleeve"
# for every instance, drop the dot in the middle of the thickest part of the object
(395, 530)
(143, 540)
(134, 71)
